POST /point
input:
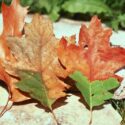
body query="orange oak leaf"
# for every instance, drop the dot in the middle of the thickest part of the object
(37, 51)
(93, 56)
(13, 18)
(13, 23)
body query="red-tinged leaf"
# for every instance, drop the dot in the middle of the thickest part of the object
(72, 57)
(13, 23)
(13, 18)
(94, 56)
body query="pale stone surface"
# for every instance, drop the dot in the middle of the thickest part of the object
(3, 96)
(120, 92)
(72, 113)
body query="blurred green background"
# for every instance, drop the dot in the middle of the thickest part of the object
(111, 12)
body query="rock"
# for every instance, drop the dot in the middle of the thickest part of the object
(3, 96)
(72, 113)
(120, 92)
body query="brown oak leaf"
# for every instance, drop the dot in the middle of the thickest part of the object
(37, 51)
(93, 56)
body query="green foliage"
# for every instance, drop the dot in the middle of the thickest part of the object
(95, 92)
(26, 2)
(111, 12)
(118, 21)
(32, 83)
(117, 18)
(8, 2)
(86, 6)
(50, 7)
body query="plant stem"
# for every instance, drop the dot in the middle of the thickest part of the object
(55, 117)
(6, 108)
(91, 117)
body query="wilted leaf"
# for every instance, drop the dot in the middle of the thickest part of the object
(95, 92)
(37, 51)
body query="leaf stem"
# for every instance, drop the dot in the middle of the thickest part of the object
(55, 118)
(6, 108)
(91, 116)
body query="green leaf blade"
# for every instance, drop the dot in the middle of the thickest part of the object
(110, 83)
(84, 88)
(32, 83)
(95, 92)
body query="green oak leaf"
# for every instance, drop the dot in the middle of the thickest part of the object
(32, 83)
(95, 92)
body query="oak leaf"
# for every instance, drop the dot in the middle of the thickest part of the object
(13, 18)
(37, 51)
(93, 56)
(13, 23)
